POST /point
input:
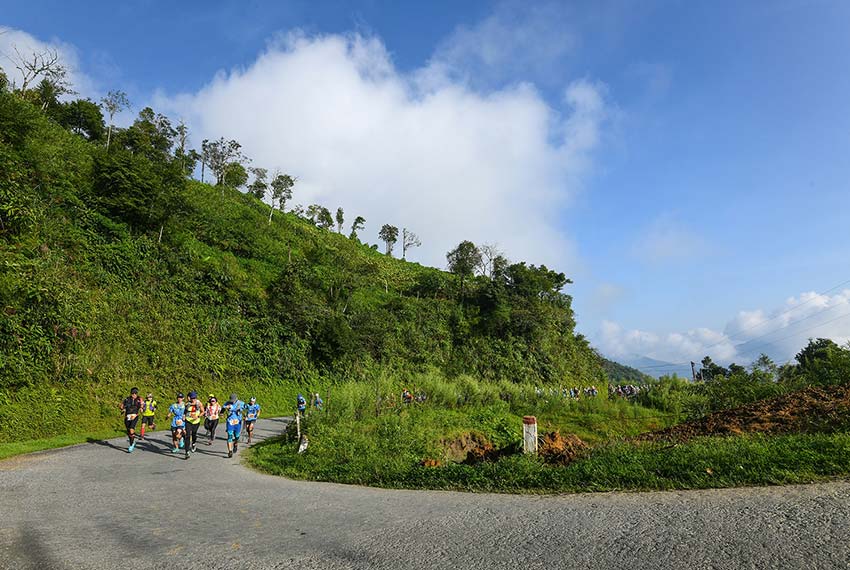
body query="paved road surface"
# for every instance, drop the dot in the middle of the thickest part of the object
(96, 506)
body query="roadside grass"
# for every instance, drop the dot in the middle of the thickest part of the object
(20, 447)
(710, 462)
(366, 436)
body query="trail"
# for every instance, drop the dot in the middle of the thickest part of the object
(96, 506)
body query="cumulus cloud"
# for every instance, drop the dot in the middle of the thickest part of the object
(675, 347)
(15, 44)
(780, 333)
(442, 159)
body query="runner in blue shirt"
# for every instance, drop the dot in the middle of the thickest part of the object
(252, 412)
(233, 409)
(177, 413)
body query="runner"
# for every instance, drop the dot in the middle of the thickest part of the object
(233, 408)
(211, 414)
(148, 411)
(302, 405)
(252, 412)
(177, 412)
(194, 414)
(130, 408)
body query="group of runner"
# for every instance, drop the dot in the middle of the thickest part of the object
(186, 416)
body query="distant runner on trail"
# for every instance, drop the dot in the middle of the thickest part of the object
(233, 408)
(252, 412)
(130, 408)
(194, 415)
(211, 414)
(177, 413)
(148, 412)
(302, 405)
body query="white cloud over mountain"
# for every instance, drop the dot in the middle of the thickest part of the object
(781, 333)
(438, 157)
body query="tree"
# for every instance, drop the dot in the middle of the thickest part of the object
(359, 224)
(46, 65)
(259, 186)
(389, 235)
(282, 185)
(188, 157)
(408, 240)
(115, 102)
(82, 117)
(312, 213)
(235, 176)
(220, 155)
(463, 260)
(339, 219)
(490, 252)
(325, 219)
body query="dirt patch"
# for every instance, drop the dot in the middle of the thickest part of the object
(817, 409)
(469, 448)
(558, 449)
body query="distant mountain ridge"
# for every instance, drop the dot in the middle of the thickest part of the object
(656, 368)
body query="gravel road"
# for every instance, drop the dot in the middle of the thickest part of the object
(96, 506)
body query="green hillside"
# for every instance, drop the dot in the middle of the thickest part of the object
(118, 269)
(621, 374)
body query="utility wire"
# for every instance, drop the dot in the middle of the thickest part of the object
(673, 364)
(764, 335)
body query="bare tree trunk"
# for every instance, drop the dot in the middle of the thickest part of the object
(108, 135)
(159, 240)
(271, 211)
(203, 164)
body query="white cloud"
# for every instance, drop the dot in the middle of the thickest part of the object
(447, 162)
(780, 333)
(667, 240)
(517, 40)
(674, 347)
(16, 43)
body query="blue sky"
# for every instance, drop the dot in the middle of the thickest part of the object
(703, 205)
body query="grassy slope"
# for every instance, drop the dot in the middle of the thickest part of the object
(226, 302)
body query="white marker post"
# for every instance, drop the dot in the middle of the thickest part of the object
(529, 434)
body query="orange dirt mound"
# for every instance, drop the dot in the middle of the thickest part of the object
(469, 448)
(816, 409)
(560, 449)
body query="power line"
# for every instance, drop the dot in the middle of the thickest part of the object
(674, 364)
(764, 335)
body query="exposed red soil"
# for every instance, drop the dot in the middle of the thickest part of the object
(560, 449)
(816, 409)
(469, 448)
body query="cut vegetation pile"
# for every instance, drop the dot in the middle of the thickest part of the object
(813, 410)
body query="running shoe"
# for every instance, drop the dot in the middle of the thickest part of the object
(229, 454)
(194, 449)
(181, 443)
(175, 450)
(235, 448)
(131, 448)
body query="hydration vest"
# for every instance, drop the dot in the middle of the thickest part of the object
(193, 413)
(213, 410)
(148, 408)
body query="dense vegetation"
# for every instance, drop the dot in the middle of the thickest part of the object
(366, 435)
(119, 269)
(622, 374)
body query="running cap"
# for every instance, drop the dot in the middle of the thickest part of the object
(179, 394)
(193, 394)
(150, 396)
(134, 390)
(234, 397)
(253, 399)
